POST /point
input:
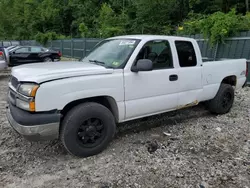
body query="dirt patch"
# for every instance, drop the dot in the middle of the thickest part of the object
(187, 148)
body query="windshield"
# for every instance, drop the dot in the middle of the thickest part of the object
(112, 53)
(13, 48)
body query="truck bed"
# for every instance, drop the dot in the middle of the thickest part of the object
(217, 70)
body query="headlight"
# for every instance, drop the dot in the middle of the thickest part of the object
(26, 105)
(28, 89)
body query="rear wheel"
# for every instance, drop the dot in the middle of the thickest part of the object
(87, 129)
(47, 59)
(223, 101)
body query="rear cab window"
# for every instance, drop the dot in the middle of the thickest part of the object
(186, 53)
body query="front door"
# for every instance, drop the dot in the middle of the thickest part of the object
(152, 92)
(20, 55)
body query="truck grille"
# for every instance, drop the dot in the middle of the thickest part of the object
(12, 97)
(14, 82)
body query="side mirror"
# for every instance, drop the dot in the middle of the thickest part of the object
(143, 65)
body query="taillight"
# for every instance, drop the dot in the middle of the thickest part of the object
(1, 55)
(59, 53)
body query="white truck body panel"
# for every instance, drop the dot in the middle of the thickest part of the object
(41, 72)
(63, 91)
(149, 89)
(135, 94)
(215, 71)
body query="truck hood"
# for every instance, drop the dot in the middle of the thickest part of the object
(41, 72)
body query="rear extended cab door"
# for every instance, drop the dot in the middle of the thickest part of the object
(189, 72)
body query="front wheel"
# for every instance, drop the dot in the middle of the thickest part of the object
(87, 129)
(223, 101)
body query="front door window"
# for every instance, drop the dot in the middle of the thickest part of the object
(159, 52)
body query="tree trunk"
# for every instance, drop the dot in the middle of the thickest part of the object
(225, 6)
(181, 9)
(247, 5)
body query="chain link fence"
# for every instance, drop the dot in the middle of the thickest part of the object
(74, 48)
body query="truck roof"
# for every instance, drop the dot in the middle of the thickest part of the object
(152, 37)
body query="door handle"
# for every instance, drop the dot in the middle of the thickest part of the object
(173, 77)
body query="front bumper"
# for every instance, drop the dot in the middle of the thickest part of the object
(34, 127)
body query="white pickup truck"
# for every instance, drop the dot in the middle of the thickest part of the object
(123, 78)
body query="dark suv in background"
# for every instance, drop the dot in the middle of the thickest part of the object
(32, 54)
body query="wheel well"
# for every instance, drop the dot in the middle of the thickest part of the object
(231, 80)
(48, 56)
(106, 101)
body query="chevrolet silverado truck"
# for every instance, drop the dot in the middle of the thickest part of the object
(123, 78)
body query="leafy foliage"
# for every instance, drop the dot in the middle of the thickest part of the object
(109, 23)
(83, 29)
(43, 38)
(192, 25)
(44, 20)
(217, 26)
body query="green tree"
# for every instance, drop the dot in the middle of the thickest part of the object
(110, 23)
(43, 19)
(153, 16)
(83, 29)
(217, 26)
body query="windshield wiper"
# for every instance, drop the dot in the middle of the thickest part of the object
(97, 62)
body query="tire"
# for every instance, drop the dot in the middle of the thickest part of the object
(223, 101)
(83, 123)
(47, 59)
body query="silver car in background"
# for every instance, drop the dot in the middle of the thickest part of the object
(4, 56)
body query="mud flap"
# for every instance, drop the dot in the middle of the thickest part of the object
(245, 84)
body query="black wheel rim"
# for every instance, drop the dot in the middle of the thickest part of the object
(226, 101)
(91, 132)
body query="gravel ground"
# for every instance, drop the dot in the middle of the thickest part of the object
(198, 150)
